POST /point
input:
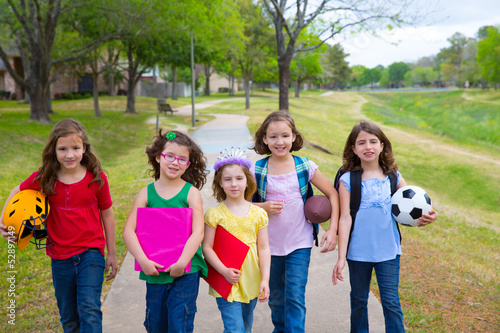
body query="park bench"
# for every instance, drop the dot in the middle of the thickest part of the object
(164, 107)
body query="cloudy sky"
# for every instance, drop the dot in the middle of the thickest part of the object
(461, 16)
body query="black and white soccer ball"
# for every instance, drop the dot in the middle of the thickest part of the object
(408, 204)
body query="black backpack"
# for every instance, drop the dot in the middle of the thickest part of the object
(355, 201)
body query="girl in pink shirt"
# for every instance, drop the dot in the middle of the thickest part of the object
(281, 192)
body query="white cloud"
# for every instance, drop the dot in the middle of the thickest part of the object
(414, 43)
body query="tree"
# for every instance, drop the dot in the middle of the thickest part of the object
(355, 78)
(455, 54)
(488, 56)
(370, 76)
(422, 76)
(335, 65)
(332, 17)
(35, 25)
(397, 71)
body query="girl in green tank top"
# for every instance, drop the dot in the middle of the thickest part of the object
(178, 167)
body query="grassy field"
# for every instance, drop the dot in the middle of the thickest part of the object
(449, 274)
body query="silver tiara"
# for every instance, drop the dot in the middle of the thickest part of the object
(236, 156)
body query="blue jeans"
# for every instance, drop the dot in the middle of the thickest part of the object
(287, 282)
(236, 316)
(171, 307)
(360, 274)
(78, 284)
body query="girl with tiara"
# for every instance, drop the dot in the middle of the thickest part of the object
(233, 187)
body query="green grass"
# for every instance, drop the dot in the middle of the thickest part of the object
(444, 113)
(445, 267)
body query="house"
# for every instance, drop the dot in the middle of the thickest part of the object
(9, 89)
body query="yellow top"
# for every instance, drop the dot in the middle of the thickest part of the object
(246, 230)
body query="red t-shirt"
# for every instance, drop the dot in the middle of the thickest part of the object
(74, 222)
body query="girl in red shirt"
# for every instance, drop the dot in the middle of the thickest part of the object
(80, 206)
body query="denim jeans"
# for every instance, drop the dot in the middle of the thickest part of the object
(236, 316)
(287, 282)
(387, 272)
(171, 307)
(78, 284)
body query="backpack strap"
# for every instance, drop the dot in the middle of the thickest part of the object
(394, 188)
(302, 170)
(355, 202)
(261, 180)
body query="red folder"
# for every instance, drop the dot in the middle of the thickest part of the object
(162, 233)
(231, 252)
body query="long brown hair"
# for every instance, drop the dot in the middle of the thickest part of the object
(196, 172)
(47, 175)
(261, 148)
(219, 193)
(386, 158)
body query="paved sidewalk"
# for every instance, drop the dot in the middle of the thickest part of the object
(327, 306)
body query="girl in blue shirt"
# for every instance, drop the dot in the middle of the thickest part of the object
(375, 241)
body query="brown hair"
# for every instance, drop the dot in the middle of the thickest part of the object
(386, 158)
(195, 173)
(47, 175)
(219, 193)
(261, 148)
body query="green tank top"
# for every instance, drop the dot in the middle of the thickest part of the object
(178, 201)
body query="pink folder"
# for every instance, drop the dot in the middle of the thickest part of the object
(231, 252)
(162, 233)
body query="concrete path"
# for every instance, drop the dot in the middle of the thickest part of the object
(327, 306)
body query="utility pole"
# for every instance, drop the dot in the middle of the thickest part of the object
(192, 79)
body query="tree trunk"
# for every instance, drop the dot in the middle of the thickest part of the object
(38, 103)
(174, 83)
(232, 85)
(130, 98)
(48, 100)
(246, 83)
(284, 82)
(207, 80)
(297, 88)
(95, 93)
(132, 73)
(111, 84)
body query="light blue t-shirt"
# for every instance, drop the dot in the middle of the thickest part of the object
(375, 237)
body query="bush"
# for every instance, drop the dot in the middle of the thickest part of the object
(87, 95)
(68, 96)
(223, 89)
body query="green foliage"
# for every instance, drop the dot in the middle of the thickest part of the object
(422, 76)
(335, 66)
(397, 72)
(443, 113)
(488, 56)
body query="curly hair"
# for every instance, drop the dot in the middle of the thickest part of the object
(196, 172)
(261, 148)
(47, 174)
(219, 193)
(386, 158)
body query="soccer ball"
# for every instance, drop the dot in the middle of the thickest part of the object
(408, 204)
